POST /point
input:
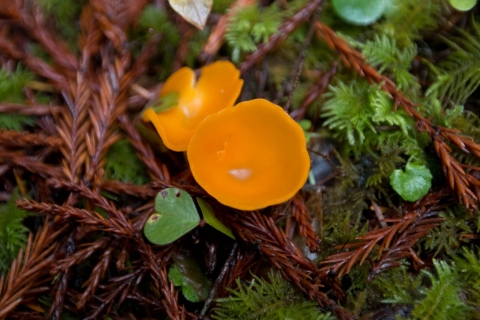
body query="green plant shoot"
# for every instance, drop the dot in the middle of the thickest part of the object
(211, 219)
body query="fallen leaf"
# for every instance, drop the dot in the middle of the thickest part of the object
(194, 11)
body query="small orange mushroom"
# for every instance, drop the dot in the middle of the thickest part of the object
(250, 156)
(217, 88)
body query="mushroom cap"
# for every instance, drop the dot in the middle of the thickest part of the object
(217, 88)
(250, 156)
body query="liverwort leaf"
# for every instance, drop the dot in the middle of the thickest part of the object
(187, 274)
(211, 219)
(413, 183)
(463, 5)
(189, 294)
(175, 276)
(360, 12)
(175, 216)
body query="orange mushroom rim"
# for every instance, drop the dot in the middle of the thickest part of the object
(217, 88)
(250, 156)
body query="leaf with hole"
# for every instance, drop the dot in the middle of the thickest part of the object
(413, 183)
(211, 219)
(360, 12)
(194, 11)
(175, 216)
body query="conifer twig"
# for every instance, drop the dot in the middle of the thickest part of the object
(30, 164)
(159, 272)
(143, 151)
(117, 216)
(92, 282)
(261, 231)
(32, 20)
(28, 109)
(464, 183)
(244, 262)
(217, 35)
(304, 221)
(415, 223)
(315, 92)
(35, 64)
(301, 59)
(82, 216)
(72, 125)
(28, 268)
(144, 192)
(23, 139)
(89, 249)
(283, 32)
(219, 280)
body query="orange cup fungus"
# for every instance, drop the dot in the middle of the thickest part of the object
(250, 156)
(217, 88)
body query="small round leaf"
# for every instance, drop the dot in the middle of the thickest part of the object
(360, 12)
(463, 5)
(175, 216)
(412, 184)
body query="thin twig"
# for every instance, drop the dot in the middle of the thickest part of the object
(301, 58)
(219, 280)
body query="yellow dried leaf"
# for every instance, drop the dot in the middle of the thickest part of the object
(194, 11)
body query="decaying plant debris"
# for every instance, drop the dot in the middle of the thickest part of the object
(86, 256)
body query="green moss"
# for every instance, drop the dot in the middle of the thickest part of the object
(11, 90)
(274, 299)
(406, 20)
(13, 234)
(220, 6)
(155, 22)
(446, 236)
(65, 13)
(252, 25)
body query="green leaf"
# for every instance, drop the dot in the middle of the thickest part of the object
(176, 215)
(305, 124)
(186, 273)
(211, 219)
(166, 102)
(175, 276)
(194, 11)
(190, 294)
(360, 12)
(412, 184)
(463, 5)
